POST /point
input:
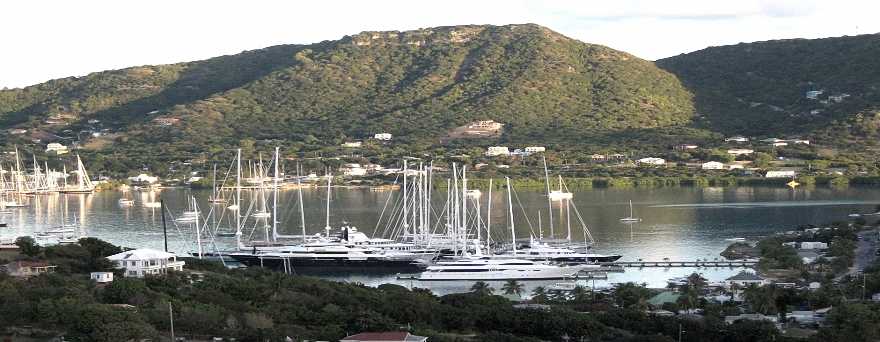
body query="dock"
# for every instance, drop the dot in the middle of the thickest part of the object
(667, 263)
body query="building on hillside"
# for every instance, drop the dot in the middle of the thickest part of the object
(17, 131)
(808, 257)
(838, 98)
(143, 179)
(535, 149)
(712, 165)
(685, 147)
(393, 336)
(745, 279)
(598, 157)
(779, 144)
(489, 125)
(652, 161)
(813, 245)
(145, 261)
(497, 151)
(740, 151)
(165, 121)
(663, 298)
(56, 149)
(382, 136)
(737, 139)
(352, 144)
(799, 141)
(101, 277)
(26, 269)
(780, 174)
(353, 170)
(751, 317)
(814, 94)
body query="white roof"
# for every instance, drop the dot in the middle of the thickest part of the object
(141, 254)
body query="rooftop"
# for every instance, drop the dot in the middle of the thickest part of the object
(746, 276)
(391, 336)
(141, 254)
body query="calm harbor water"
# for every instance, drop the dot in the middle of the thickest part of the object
(678, 223)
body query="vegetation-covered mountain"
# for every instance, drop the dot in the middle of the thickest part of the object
(762, 88)
(545, 88)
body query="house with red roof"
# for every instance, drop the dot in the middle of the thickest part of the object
(389, 336)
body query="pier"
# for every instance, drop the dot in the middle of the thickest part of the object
(669, 263)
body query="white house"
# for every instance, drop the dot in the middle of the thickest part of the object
(352, 144)
(101, 277)
(145, 261)
(780, 174)
(712, 165)
(354, 170)
(684, 147)
(800, 141)
(813, 245)
(56, 149)
(382, 136)
(744, 279)
(737, 139)
(143, 179)
(497, 151)
(651, 161)
(779, 144)
(740, 151)
(814, 94)
(489, 125)
(535, 149)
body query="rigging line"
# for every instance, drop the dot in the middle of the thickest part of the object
(578, 215)
(525, 215)
(382, 213)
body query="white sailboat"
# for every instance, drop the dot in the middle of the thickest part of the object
(83, 183)
(631, 218)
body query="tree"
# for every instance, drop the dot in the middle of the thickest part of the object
(539, 295)
(580, 293)
(482, 288)
(27, 246)
(513, 287)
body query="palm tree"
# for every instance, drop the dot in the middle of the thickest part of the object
(539, 295)
(579, 293)
(482, 288)
(513, 287)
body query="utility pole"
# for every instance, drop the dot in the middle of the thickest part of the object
(171, 318)
(680, 331)
(164, 227)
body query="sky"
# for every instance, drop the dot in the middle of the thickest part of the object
(47, 39)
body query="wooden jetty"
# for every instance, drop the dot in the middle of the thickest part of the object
(669, 263)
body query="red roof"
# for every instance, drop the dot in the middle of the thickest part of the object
(379, 336)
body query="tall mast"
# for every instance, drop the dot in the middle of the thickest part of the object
(238, 198)
(455, 208)
(275, 199)
(549, 200)
(464, 230)
(510, 209)
(327, 223)
(568, 219)
(302, 214)
(198, 227)
(405, 201)
(489, 217)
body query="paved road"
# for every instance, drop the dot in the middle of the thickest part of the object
(865, 250)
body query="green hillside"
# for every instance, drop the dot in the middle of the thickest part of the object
(760, 88)
(545, 88)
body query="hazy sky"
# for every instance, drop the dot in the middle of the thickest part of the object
(45, 39)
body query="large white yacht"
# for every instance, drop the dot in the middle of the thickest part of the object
(542, 251)
(495, 269)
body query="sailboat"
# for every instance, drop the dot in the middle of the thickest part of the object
(83, 183)
(191, 215)
(215, 195)
(630, 218)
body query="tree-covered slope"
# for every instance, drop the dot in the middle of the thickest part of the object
(543, 86)
(761, 88)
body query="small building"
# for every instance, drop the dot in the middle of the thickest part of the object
(489, 125)
(745, 279)
(165, 121)
(56, 149)
(598, 157)
(663, 298)
(814, 245)
(779, 144)
(353, 170)
(145, 261)
(751, 317)
(813, 94)
(26, 269)
(17, 131)
(780, 174)
(144, 179)
(685, 147)
(382, 136)
(808, 257)
(653, 161)
(800, 141)
(101, 277)
(876, 297)
(737, 139)
(712, 165)
(813, 286)
(735, 166)
(740, 151)
(535, 149)
(352, 144)
(393, 336)
(497, 151)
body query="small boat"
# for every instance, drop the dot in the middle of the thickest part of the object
(233, 207)
(13, 204)
(262, 214)
(125, 202)
(854, 215)
(736, 239)
(563, 287)
(152, 204)
(630, 218)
